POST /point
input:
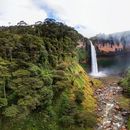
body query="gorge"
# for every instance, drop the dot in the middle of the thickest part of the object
(44, 84)
(112, 111)
(110, 115)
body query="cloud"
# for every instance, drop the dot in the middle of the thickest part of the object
(105, 16)
(86, 31)
(14, 11)
(51, 7)
(93, 16)
(63, 10)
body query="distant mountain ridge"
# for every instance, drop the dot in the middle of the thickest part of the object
(119, 37)
(112, 44)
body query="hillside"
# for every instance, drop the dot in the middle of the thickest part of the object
(42, 85)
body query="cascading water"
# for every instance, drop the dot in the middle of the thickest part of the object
(94, 61)
(94, 68)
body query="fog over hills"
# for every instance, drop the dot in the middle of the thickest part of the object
(119, 37)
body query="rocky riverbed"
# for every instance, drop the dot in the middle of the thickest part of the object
(110, 115)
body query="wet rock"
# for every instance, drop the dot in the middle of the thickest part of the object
(124, 113)
(107, 125)
(99, 109)
(114, 93)
(109, 111)
(123, 128)
(117, 107)
(114, 83)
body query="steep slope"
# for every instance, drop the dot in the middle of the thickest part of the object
(42, 86)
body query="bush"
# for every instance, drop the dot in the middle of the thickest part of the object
(3, 102)
(85, 119)
(128, 123)
(66, 121)
(79, 96)
(11, 111)
(125, 83)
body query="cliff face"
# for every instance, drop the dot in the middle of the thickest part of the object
(108, 48)
(116, 43)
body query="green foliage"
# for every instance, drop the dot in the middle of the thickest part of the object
(38, 90)
(125, 83)
(46, 96)
(3, 102)
(128, 123)
(21, 73)
(85, 120)
(66, 121)
(11, 111)
(62, 66)
(82, 54)
(79, 96)
(71, 115)
(125, 100)
(67, 112)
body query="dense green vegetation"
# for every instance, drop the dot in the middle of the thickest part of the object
(125, 83)
(82, 57)
(42, 87)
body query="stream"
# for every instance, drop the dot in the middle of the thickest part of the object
(110, 115)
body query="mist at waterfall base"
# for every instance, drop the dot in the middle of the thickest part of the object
(94, 64)
(112, 65)
(115, 65)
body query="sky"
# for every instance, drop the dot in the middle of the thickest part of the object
(89, 17)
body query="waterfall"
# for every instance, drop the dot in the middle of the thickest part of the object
(93, 61)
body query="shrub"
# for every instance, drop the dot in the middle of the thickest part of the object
(11, 111)
(66, 121)
(79, 96)
(3, 102)
(85, 119)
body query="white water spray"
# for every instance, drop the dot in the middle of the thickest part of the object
(94, 69)
(94, 60)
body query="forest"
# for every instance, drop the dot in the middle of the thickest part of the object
(42, 85)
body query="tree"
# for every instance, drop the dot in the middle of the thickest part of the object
(22, 23)
(11, 111)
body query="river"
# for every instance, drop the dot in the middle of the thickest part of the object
(110, 115)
